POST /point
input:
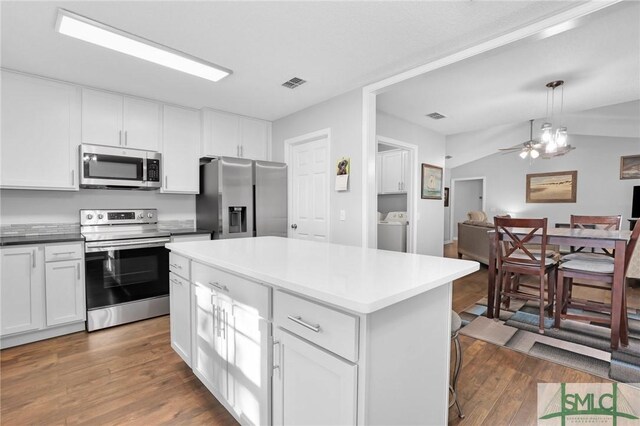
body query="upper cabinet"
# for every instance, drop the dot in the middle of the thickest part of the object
(40, 133)
(115, 120)
(391, 172)
(180, 150)
(230, 135)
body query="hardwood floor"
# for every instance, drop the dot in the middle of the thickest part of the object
(130, 375)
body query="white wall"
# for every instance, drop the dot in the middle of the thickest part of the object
(599, 192)
(431, 148)
(343, 115)
(25, 206)
(466, 196)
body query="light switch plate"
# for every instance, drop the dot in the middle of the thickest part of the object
(343, 215)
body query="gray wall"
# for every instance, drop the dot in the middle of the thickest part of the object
(343, 115)
(392, 203)
(599, 192)
(26, 206)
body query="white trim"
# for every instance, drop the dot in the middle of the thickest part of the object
(299, 140)
(452, 199)
(413, 193)
(369, 92)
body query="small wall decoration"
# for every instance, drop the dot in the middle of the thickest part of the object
(630, 167)
(446, 197)
(343, 167)
(554, 187)
(431, 182)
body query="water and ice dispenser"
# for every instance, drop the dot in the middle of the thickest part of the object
(237, 219)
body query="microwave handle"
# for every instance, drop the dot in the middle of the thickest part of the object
(125, 138)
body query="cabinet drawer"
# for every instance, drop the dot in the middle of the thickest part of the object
(53, 252)
(240, 290)
(179, 265)
(326, 327)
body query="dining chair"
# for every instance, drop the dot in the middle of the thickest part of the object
(608, 223)
(600, 276)
(514, 259)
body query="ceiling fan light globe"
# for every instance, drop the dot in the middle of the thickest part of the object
(523, 154)
(561, 136)
(534, 153)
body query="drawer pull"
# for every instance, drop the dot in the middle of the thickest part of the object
(298, 320)
(175, 281)
(219, 286)
(63, 252)
(175, 266)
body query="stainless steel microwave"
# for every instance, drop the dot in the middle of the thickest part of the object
(117, 168)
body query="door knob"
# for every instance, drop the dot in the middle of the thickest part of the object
(294, 226)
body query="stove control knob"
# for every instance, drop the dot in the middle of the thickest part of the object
(140, 216)
(100, 216)
(89, 216)
(150, 215)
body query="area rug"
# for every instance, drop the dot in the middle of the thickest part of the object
(577, 344)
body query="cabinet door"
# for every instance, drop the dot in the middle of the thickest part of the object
(310, 386)
(180, 150)
(221, 134)
(40, 133)
(392, 174)
(64, 292)
(141, 124)
(101, 118)
(254, 138)
(21, 289)
(249, 365)
(180, 318)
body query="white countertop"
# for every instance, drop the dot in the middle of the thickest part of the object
(357, 279)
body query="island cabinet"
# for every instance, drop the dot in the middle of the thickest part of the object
(290, 332)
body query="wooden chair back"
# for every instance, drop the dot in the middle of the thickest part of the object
(633, 242)
(608, 223)
(513, 249)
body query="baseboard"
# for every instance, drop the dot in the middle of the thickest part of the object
(448, 241)
(34, 336)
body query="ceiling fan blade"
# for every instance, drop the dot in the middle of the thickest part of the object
(517, 148)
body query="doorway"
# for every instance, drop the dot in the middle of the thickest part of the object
(307, 157)
(467, 194)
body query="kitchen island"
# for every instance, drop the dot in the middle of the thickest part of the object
(287, 331)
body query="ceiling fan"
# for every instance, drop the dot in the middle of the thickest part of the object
(529, 148)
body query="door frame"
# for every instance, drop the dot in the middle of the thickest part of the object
(453, 204)
(552, 25)
(288, 149)
(412, 193)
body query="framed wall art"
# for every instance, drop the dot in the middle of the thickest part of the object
(446, 197)
(630, 167)
(554, 187)
(431, 182)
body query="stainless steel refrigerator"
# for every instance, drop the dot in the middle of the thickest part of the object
(242, 198)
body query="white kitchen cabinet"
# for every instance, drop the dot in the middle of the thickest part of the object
(115, 120)
(392, 172)
(40, 133)
(180, 316)
(230, 135)
(21, 289)
(64, 292)
(310, 385)
(180, 150)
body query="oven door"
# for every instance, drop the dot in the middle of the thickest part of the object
(125, 274)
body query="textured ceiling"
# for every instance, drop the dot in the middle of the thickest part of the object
(336, 46)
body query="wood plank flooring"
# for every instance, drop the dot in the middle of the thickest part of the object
(130, 375)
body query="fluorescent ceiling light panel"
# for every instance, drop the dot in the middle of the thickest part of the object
(82, 28)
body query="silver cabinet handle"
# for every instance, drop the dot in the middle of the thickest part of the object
(223, 324)
(33, 259)
(119, 137)
(78, 272)
(166, 182)
(276, 366)
(175, 281)
(242, 151)
(175, 266)
(125, 138)
(63, 252)
(219, 286)
(73, 177)
(299, 320)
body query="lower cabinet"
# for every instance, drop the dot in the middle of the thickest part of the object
(180, 318)
(310, 385)
(64, 292)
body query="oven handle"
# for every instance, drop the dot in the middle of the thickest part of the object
(141, 243)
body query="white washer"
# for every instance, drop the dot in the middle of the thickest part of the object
(392, 232)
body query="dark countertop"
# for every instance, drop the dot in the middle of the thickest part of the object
(187, 231)
(11, 240)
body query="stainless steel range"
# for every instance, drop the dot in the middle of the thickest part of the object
(126, 264)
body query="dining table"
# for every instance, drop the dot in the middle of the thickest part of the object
(613, 240)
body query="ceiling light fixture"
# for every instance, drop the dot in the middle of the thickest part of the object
(554, 138)
(91, 31)
(530, 148)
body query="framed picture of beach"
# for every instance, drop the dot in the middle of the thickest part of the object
(431, 182)
(554, 187)
(630, 167)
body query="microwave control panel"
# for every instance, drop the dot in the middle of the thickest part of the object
(153, 170)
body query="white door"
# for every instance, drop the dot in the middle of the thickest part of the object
(180, 308)
(40, 133)
(64, 288)
(181, 147)
(101, 118)
(254, 138)
(311, 386)
(141, 124)
(310, 191)
(21, 289)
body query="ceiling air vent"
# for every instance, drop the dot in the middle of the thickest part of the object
(436, 116)
(293, 83)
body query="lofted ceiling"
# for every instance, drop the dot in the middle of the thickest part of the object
(335, 46)
(599, 61)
